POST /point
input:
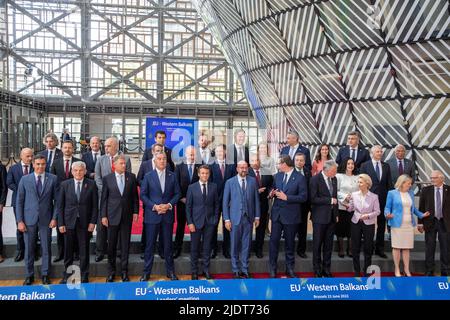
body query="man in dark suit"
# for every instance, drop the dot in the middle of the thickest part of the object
(239, 149)
(77, 216)
(91, 157)
(294, 147)
(305, 207)
(289, 191)
(61, 169)
(436, 200)
(160, 137)
(119, 209)
(202, 214)
(51, 153)
(36, 213)
(324, 214)
(220, 173)
(400, 165)
(3, 194)
(186, 175)
(15, 174)
(264, 183)
(160, 192)
(380, 173)
(353, 150)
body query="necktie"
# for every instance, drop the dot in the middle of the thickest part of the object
(39, 186)
(67, 169)
(78, 191)
(243, 185)
(95, 157)
(204, 192)
(241, 155)
(302, 172)
(25, 170)
(222, 170)
(204, 156)
(49, 161)
(121, 184)
(330, 186)
(113, 169)
(378, 172)
(284, 181)
(291, 153)
(161, 180)
(400, 167)
(353, 154)
(190, 171)
(438, 213)
(258, 178)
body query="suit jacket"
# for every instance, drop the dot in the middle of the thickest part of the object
(149, 155)
(119, 209)
(103, 168)
(146, 167)
(69, 208)
(88, 159)
(199, 212)
(32, 208)
(267, 182)
(216, 177)
(322, 211)
(427, 203)
(301, 149)
(59, 169)
(288, 212)
(370, 206)
(233, 200)
(58, 154)
(198, 156)
(382, 187)
(3, 187)
(235, 154)
(362, 156)
(408, 168)
(151, 194)
(15, 173)
(306, 206)
(182, 174)
(394, 205)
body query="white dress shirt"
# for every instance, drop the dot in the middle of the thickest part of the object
(42, 179)
(201, 186)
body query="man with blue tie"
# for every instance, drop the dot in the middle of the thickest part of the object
(51, 153)
(380, 173)
(202, 214)
(353, 150)
(36, 213)
(160, 192)
(91, 157)
(294, 147)
(289, 191)
(186, 173)
(241, 209)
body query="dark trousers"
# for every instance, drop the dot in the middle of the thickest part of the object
(443, 236)
(362, 232)
(226, 238)
(381, 229)
(116, 234)
(152, 231)
(205, 233)
(322, 241)
(144, 238)
(260, 233)
(30, 237)
(181, 224)
(302, 231)
(1, 234)
(289, 231)
(19, 236)
(79, 235)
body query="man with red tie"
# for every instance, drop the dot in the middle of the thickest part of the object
(61, 167)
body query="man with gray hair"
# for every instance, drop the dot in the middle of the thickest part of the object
(400, 165)
(380, 173)
(436, 200)
(51, 152)
(294, 147)
(77, 216)
(103, 167)
(324, 215)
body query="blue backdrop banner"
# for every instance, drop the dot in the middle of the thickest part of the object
(414, 288)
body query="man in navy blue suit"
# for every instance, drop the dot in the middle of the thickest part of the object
(240, 211)
(324, 214)
(294, 147)
(289, 191)
(202, 214)
(160, 192)
(15, 174)
(51, 153)
(221, 171)
(353, 150)
(380, 173)
(90, 157)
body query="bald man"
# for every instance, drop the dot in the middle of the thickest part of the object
(16, 172)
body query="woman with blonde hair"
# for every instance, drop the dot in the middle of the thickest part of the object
(399, 212)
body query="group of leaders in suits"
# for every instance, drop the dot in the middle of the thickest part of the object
(55, 189)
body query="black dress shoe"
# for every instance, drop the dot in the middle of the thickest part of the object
(46, 280)
(357, 275)
(85, 279)
(236, 275)
(177, 253)
(327, 274)
(227, 255)
(302, 255)
(142, 256)
(172, 276)
(259, 255)
(76, 257)
(194, 276)
(213, 254)
(36, 257)
(381, 254)
(245, 275)
(291, 274)
(208, 276)
(64, 279)
(341, 255)
(161, 255)
(429, 274)
(125, 277)
(99, 258)
(443, 274)
(145, 277)
(317, 274)
(28, 281)
(110, 278)
(272, 274)
(58, 258)
(19, 257)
